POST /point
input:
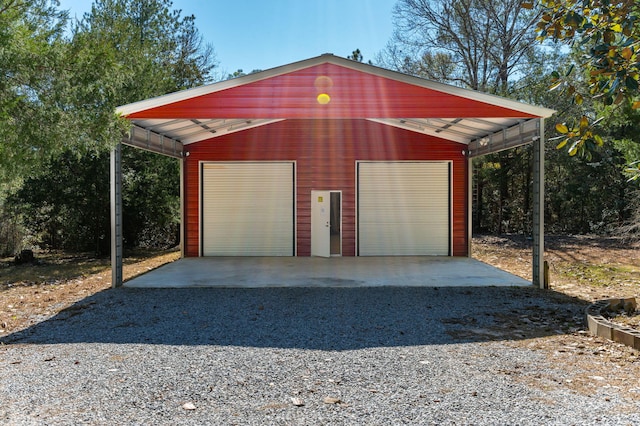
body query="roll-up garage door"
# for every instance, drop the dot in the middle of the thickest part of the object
(404, 208)
(247, 209)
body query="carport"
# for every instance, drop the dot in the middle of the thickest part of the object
(322, 130)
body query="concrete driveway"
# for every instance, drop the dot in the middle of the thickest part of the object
(262, 272)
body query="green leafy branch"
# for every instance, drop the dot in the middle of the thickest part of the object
(606, 33)
(582, 136)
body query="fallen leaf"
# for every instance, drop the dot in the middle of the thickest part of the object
(332, 400)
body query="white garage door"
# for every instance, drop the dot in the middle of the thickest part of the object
(404, 208)
(247, 209)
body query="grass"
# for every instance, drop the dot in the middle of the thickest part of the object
(57, 266)
(59, 280)
(599, 275)
(51, 268)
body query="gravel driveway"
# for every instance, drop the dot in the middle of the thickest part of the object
(300, 356)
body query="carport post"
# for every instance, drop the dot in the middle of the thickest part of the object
(469, 202)
(182, 215)
(116, 216)
(538, 208)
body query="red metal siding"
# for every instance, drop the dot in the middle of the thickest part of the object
(353, 94)
(326, 152)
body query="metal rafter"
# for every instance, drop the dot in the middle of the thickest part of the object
(152, 141)
(521, 133)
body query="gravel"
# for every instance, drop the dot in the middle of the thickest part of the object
(303, 356)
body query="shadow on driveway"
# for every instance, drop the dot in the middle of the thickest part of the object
(308, 318)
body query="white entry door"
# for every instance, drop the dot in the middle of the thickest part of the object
(321, 223)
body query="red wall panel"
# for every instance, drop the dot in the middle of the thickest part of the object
(325, 152)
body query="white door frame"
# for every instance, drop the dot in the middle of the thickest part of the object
(321, 223)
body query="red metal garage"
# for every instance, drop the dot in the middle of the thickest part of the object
(328, 156)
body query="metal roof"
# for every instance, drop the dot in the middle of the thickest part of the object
(485, 123)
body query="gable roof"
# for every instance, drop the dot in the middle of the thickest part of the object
(328, 86)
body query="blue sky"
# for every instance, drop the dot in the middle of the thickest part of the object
(259, 34)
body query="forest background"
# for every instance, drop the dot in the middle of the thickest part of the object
(62, 79)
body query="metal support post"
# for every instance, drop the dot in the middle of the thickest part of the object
(538, 209)
(116, 216)
(469, 204)
(182, 215)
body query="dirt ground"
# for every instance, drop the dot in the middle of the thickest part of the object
(32, 293)
(582, 268)
(585, 268)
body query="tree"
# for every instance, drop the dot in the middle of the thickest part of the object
(146, 49)
(195, 59)
(122, 51)
(479, 44)
(606, 36)
(241, 73)
(356, 55)
(64, 205)
(151, 199)
(152, 50)
(490, 46)
(31, 51)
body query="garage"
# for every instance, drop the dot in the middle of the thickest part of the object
(404, 208)
(247, 208)
(393, 151)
